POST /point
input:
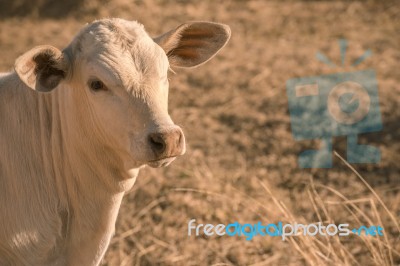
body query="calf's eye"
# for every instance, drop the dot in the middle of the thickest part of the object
(97, 85)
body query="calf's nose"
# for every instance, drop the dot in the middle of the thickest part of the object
(168, 143)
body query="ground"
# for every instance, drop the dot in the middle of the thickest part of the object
(241, 159)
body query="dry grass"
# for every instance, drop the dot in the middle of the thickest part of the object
(241, 162)
(333, 250)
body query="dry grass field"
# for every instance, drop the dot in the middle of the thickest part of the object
(241, 160)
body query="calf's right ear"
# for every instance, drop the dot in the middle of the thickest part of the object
(42, 68)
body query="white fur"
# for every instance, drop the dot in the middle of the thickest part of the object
(68, 156)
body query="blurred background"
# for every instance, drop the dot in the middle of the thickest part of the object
(241, 160)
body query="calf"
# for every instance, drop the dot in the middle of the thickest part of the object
(76, 127)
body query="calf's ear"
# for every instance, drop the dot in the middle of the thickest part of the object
(42, 68)
(194, 43)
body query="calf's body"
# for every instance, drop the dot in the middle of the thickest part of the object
(58, 198)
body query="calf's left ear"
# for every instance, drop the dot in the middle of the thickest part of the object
(194, 43)
(42, 68)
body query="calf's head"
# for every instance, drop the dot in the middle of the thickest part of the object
(113, 76)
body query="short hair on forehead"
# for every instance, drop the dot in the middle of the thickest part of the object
(126, 36)
(117, 31)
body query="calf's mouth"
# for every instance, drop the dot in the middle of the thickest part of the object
(161, 162)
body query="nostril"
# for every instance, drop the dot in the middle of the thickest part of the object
(157, 142)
